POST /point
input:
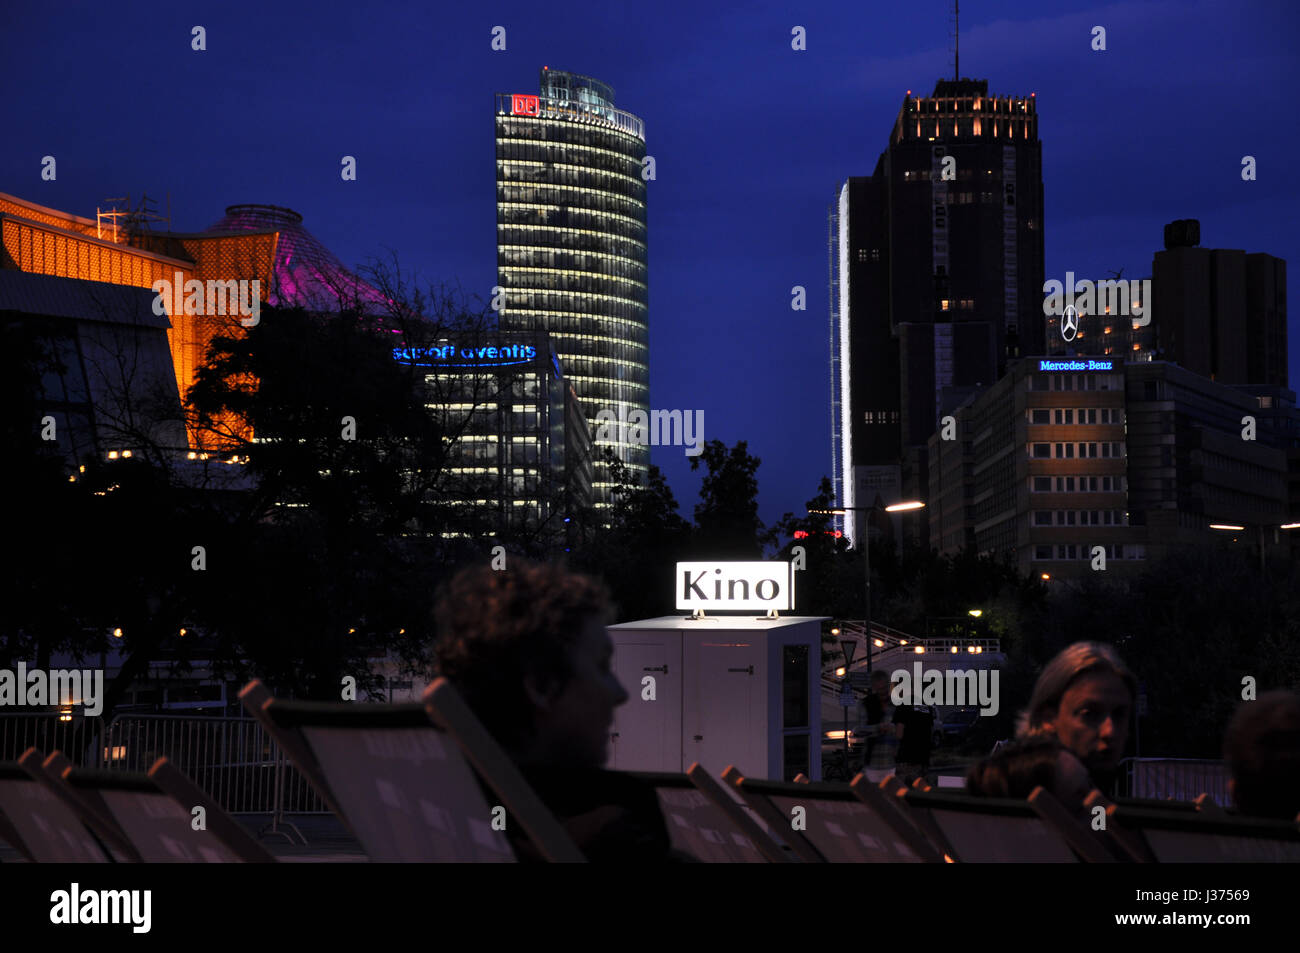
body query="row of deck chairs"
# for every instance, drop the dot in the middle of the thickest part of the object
(426, 782)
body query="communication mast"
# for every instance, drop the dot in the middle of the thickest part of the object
(121, 213)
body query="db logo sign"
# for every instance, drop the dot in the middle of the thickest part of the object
(524, 105)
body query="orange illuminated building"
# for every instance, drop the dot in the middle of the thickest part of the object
(252, 242)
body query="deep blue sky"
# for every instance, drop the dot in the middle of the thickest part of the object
(750, 139)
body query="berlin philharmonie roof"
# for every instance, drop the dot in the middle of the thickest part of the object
(307, 274)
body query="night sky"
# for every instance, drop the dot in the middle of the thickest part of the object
(750, 140)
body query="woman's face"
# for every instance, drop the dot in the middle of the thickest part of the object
(1092, 720)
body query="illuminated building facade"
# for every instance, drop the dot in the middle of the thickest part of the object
(251, 242)
(522, 462)
(936, 278)
(1102, 324)
(1066, 454)
(571, 244)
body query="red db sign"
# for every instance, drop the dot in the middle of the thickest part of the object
(524, 105)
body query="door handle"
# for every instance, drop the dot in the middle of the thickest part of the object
(749, 670)
(699, 737)
(651, 668)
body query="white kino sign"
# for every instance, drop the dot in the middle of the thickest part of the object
(735, 586)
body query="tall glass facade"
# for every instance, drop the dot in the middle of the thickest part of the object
(571, 244)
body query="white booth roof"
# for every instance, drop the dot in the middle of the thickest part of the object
(730, 623)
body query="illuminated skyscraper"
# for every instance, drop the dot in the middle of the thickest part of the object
(936, 282)
(571, 244)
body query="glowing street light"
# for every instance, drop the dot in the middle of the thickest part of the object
(901, 507)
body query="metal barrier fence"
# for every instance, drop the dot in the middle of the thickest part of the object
(232, 759)
(1183, 779)
(45, 731)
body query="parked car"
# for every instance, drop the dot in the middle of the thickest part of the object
(958, 722)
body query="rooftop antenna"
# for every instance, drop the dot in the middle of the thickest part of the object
(956, 39)
(121, 212)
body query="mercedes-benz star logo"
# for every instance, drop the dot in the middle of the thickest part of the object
(1070, 323)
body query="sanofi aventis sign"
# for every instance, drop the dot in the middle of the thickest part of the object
(449, 355)
(725, 585)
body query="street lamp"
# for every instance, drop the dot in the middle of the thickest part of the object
(847, 646)
(866, 553)
(1239, 527)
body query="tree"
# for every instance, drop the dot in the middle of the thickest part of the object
(832, 583)
(637, 554)
(726, 518)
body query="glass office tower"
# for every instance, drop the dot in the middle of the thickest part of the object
(571, 245)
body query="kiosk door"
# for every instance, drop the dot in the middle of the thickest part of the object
(724, 694)
(647, 731)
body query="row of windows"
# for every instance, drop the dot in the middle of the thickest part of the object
(880, 416)
(515, 173)
(963, 174)
(1233, 465)
(554, 169)
(601, 392)
(1066, 382)
(1078, 484)
(1080, 518)
(1079, 415)
(598, 200)
(572, 239)
(995, 488)
(948, 104)
(631, 334)
(579, 365)
(524, 215)
(977, 126)
(563, 259)
(1077, 551)
(535, 287)
(1066, 451)
(596, 149)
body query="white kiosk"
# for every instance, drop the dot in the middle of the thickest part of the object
(722, 690)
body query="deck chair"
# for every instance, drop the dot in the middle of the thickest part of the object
(890, 809)
(1128, 845)
(839, 827)
(773, 846)
(39, 823)
(697, 826)
(985, 829)
(401, 783)
(154, 812)
(1188, 837)
(1091, 846)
